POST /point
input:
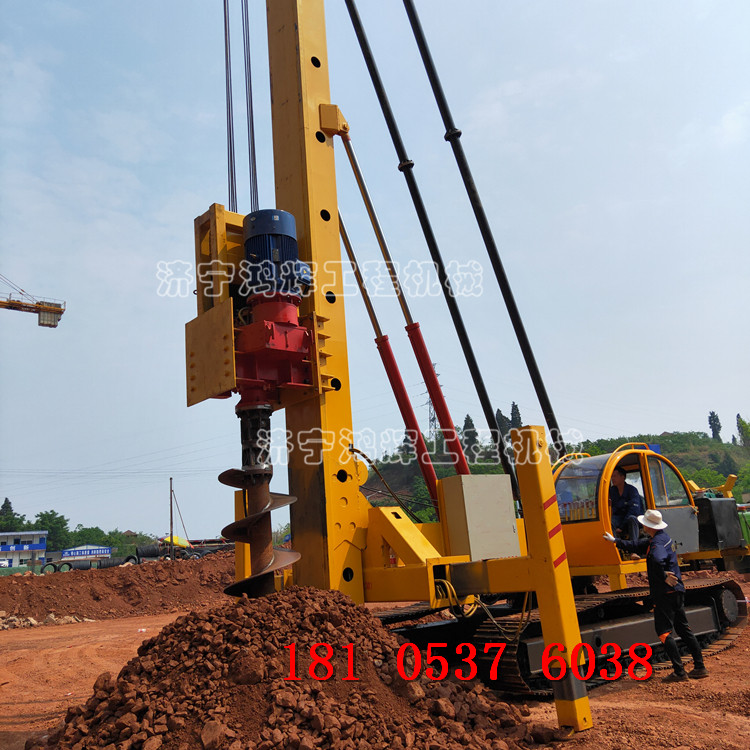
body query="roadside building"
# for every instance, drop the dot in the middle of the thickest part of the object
(19, 548)
(86, 552)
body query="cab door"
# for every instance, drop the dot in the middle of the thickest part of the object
(672, 499)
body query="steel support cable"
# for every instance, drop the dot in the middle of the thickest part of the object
(410, 498)
(405, 167)
(177, 505)
(15, 287)
(358, 276)
(251, 155)
(413, 329)
(453, 135)
(398, 500)
(231, 170)
(365, 193)
(26, 297)
(394, 376)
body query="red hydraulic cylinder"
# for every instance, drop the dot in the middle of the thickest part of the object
(407, 413)
(438, 400)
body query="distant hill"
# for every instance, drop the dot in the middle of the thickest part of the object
(698, 457)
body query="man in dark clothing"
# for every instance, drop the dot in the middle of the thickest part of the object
(626, 505)
(667, 593)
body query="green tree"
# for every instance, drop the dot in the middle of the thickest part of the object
(420, 502)
(87, 535)
(123, 545)
(727, 465)
(742, 486)
(438, 447)
(743, 431)
(706, 477)
(9, 519)
(406, 449)
(279, 533)
(714, 425)
(515, 416)
(470, 439)
(56, 526)
(503, 423)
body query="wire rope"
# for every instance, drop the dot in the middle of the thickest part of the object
(179, 512)
(401, 504)
(231, 170)
(254, 204)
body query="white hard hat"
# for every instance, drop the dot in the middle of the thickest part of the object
(652, 519)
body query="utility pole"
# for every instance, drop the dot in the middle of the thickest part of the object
(171, 522)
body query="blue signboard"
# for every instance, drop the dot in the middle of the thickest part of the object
(93, 552)
(20, 547)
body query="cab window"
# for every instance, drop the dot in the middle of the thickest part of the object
(666, 485)
(576, 488)
(634, 477)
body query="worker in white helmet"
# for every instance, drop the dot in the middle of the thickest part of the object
(667, 593)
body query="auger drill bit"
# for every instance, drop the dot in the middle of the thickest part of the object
(255, 528)
(272, 354)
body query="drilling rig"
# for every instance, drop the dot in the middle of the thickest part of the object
(271, 328)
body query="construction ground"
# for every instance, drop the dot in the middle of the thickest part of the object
(140, 663)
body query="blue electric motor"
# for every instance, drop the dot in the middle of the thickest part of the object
(272, 256)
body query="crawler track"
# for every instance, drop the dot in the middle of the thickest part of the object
(603, 617)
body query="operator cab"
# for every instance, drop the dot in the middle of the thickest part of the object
(583, 483)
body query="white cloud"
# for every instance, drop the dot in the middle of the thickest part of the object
(23, 93)
(626, 54)
(539, 88)
(497, 108)
(130, 137)
(734, 126)
(63, 12)
(699, 137)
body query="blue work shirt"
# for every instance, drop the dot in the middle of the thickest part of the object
(660, 560)
(625, 505)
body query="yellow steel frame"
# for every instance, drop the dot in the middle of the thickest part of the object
(218, 240)
(330, 517)
(33, 307)
(331, 523)
(345, 544)
(209, 338)
(418, 560)
(725, 489)
(543, 570)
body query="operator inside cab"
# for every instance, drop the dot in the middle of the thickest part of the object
(626, 506)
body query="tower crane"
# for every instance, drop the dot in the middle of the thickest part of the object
(49, 311)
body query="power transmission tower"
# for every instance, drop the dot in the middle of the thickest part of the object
(432, 420)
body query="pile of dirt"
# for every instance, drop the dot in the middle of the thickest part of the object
(215, 680)
(149, 588)
(10, 622)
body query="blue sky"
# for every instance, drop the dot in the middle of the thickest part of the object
(610, 142)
